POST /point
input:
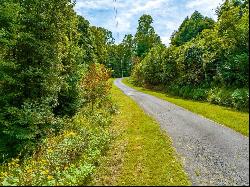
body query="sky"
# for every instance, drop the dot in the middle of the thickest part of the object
(167, 14)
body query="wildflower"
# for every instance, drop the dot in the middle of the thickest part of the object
(45, 172)
(50, 177)
(4, 174)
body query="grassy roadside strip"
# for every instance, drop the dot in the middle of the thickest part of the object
(141, 154)
(239, 121)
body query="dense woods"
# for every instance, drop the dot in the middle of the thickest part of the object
(54, 93)
(55, 103)
(206, 60)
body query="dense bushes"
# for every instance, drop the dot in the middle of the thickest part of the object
(236, 98)
(70, 157)
(67, 159)
(212, 65)
(95, 85)
(54, 97)
(36, 59)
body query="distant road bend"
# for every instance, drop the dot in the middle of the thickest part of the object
(211, 153)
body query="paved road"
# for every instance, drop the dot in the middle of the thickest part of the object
(212, 154)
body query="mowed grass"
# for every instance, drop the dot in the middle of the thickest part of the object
(141, 154)
(239, 121)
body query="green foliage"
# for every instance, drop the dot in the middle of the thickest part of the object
(120, 57)
(67, 159)
(33, 67)
(169, 65)
(152, 67)
(204, 55)
(95, 85)
(86, 40)
(191, 65)
(233, 29)
(238, 98)
(45, 54)
(237, 120)
(128, 46)
(190, 28)
(145, 37)
(102, 39)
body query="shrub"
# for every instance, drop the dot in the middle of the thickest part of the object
(137, 75)
(95, 84)
(200, 94)
(240, 99)
(33, 57)
(67, 159)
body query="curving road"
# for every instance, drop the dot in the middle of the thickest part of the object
(212, 154)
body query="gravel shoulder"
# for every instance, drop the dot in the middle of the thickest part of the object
(212, 154)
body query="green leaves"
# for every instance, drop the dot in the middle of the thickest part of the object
(190, 28)
(203, 55)
(37, 56)
(145, 37)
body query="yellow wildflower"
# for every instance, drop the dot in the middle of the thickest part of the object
(5, 174)
(45, 172)
(50, 177)
(69, 133)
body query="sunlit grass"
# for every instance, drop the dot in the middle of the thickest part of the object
(239, 121)
(141, 154)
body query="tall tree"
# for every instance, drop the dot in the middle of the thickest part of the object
(190, 28)
(127, 47)
(233, 30)
(37, 39)
(86, 40)
(102, 39)
(145, 37)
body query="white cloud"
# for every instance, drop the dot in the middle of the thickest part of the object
(167, 14)
(165, 40)
(95, 4)
(206, 6)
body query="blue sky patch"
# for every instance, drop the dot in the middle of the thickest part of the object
(167, 14)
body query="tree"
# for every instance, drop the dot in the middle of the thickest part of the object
(95, 84)
(233, 29)
(86, 40)
(102, 39)
(169, 65)
(120, 57)
(115, 59)
(191, 65)
(206, 60)
(152, 69)
(127, 48)
(145, 37)
(38, 39)
(190, 28)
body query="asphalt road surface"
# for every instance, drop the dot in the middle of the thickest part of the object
(211, 153)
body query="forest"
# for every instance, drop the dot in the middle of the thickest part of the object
(207, 60)
(55, 70)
